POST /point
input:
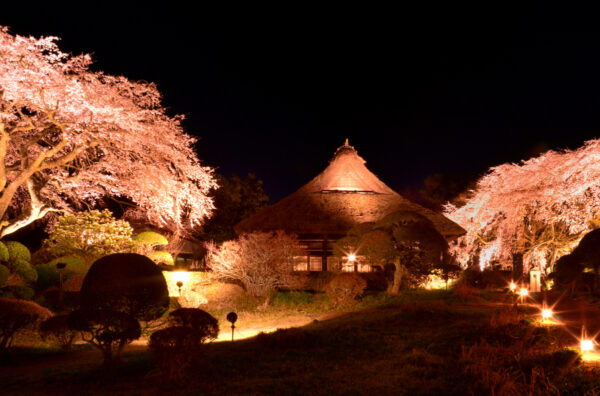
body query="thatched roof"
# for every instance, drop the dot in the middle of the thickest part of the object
(346, 193)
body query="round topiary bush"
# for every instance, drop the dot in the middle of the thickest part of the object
(161, 257)
(197, 319)
(151, 238)
(16, 315)
(126, 282)
(17, 251)
(345, 288)
(4, 256)
(175, 347)
(25, 270)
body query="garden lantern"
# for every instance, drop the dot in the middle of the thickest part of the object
(513, 286)
(232, 317)
(181, 277)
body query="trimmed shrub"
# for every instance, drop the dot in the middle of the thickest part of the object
(161, 257)
(126, 282)
(47, 276)
(4, 274)
(16, 315)
(4, 256)
(25, 270)
(175, 347)
(75, 265)
(109, 331)
(57, 329)
(345, 288)
(196, 319)
(17, 251)
(24, 292)
(151, 238)
(74, 283)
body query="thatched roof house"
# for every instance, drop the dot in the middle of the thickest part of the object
(345, 194)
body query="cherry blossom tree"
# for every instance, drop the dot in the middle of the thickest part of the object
(539, 208)
(70, 136)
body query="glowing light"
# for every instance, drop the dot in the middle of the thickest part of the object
(513, 286)
(587, 345)
(352, 257)
(546, 313)
(523, 292)
(181, 276)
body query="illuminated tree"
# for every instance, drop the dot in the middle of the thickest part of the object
(89, 235)
(69, 136)
(261, 261)
(539, 208)
(407, 240)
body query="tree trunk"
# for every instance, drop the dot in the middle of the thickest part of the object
(399, 273)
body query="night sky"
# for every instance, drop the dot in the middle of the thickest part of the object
(418, 90)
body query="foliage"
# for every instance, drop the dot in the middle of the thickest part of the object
(151, 239)
(345, 288)
(48, 275)
(57, 329)
(555, 193)
(236, 199)
(175, 347)
(4, 254)
(440, 188)
(25, 270)
(4, 274)
(17, 251)
(74, 283)
(16, 315)
(161, 257)
(569, 268)
(20, 291)
(145, 244)
(107, 330)
(126, 282)
(20, 271)
(70, 136)
(196, 319)
(406, 239)
(262, 262)
(89, 235)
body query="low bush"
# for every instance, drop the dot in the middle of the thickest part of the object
(175, 347)
(109, 331)
(56, 329)
(345, 288)
(196, 319)
(16, 315)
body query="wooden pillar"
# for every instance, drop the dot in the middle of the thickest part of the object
(324, 254)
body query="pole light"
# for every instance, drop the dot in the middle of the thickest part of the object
(232, 317)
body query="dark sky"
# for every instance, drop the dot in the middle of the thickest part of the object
(417, 90)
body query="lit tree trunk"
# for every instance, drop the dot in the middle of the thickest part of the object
(399, 272)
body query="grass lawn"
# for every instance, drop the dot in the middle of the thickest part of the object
(419, 343)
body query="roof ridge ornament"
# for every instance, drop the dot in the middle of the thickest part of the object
(346, 142)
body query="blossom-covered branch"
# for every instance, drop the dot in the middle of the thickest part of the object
(70, 135)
